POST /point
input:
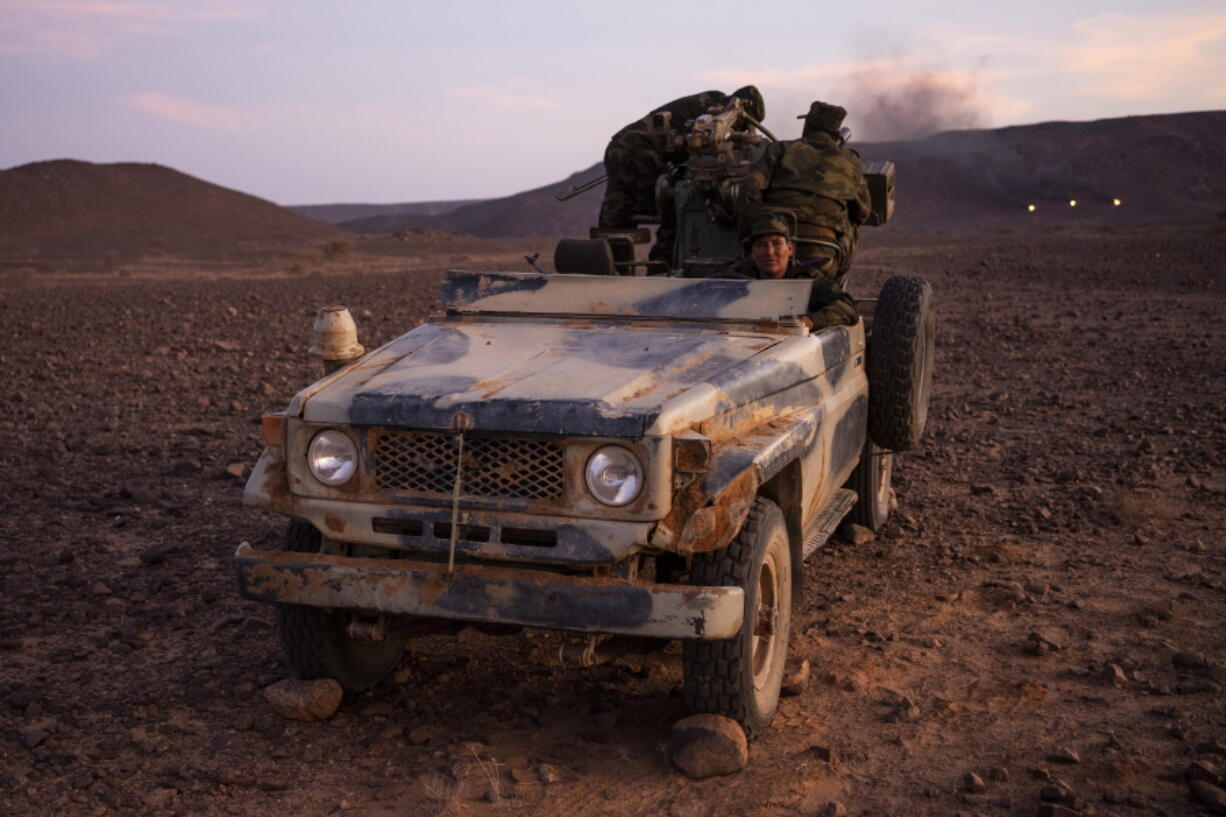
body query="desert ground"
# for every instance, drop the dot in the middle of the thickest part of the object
(1046, 609)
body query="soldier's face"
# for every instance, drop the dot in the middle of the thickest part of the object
(771, 254)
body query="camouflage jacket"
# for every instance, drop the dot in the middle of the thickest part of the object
(815, 177)
(829, 303)
(682, 110)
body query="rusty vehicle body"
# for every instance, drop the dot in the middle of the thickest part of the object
(718, 391)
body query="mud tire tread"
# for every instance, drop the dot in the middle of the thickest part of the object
(314, 639)
(900, 361)
(713, 670)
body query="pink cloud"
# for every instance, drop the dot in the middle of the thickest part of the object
(84, 29)
(186, 112)
(1148, 57)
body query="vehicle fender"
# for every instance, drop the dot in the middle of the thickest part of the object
(268, 485)
(708, 514)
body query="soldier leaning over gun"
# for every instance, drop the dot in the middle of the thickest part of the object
(634, 160)
(772, 254)
(820, 180)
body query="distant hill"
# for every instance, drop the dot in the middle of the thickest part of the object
(67, 209)
(1168, 167)
(339, 213)
(533, 212)
(1164, 168)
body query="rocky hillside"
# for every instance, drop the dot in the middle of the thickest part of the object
(66, 209)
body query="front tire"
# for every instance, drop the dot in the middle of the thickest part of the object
(316, 640)
(741, 677)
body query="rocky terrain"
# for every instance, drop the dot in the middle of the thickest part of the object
(1040, 629)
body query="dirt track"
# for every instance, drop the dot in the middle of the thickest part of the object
(1054, 572)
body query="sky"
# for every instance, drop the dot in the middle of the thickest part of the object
(309, 102)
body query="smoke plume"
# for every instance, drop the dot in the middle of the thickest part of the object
(886, 105)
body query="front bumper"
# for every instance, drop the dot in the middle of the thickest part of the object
(490, 594)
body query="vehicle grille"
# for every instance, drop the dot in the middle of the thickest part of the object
(519, 468)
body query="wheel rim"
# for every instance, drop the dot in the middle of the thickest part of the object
(884, 463)
(768, 617)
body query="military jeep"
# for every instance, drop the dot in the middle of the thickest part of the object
(627, 459)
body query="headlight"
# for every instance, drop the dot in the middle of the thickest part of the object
(614, 475)
(332, 458)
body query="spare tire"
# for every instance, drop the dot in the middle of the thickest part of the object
(900, 359)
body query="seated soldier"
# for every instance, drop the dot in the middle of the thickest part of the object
(634, 160)
(821, 181)
(772, 254)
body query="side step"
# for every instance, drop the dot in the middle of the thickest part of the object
(827, 519)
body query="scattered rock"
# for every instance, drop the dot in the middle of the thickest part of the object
(905, 711)
(998, 774)
(1208, 795)
(156, 554)
(834, 809)
(236, 469)
(1056, 810)
(973, 783)
(1053, 793)
(550, 773)
(797, 679)
(425, 733)
(159, 798)
(1064, 754)
(32, 736)
(376, 708)
(1038, 644)
(705, 746)
(1189, 660)
(856, 534)
(1114, 674)
(825, 753)
(305, 700)
(1211, 747)
(1203, 770)
(524, 775)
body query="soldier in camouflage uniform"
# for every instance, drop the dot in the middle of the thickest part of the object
(634, 160)
(772, 254)
(821, 181)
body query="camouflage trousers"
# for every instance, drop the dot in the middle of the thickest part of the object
(834, 263)
(632, 164)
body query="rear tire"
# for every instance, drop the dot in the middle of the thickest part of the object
(316, 640)
(900, 361)
(741, 677)
(871, 482)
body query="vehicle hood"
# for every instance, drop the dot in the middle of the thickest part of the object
(528, 377)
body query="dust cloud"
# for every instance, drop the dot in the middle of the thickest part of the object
(886, 106)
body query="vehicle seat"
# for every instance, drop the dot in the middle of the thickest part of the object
(577, 256)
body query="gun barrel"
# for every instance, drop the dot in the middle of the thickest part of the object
(572, 191)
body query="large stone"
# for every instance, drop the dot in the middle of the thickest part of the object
(796, 679)
(856, 534)
(305, 700)
(708, 745)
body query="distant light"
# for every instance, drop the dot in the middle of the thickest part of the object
(1030, 208)
(1116, 202)
(1072, 202)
